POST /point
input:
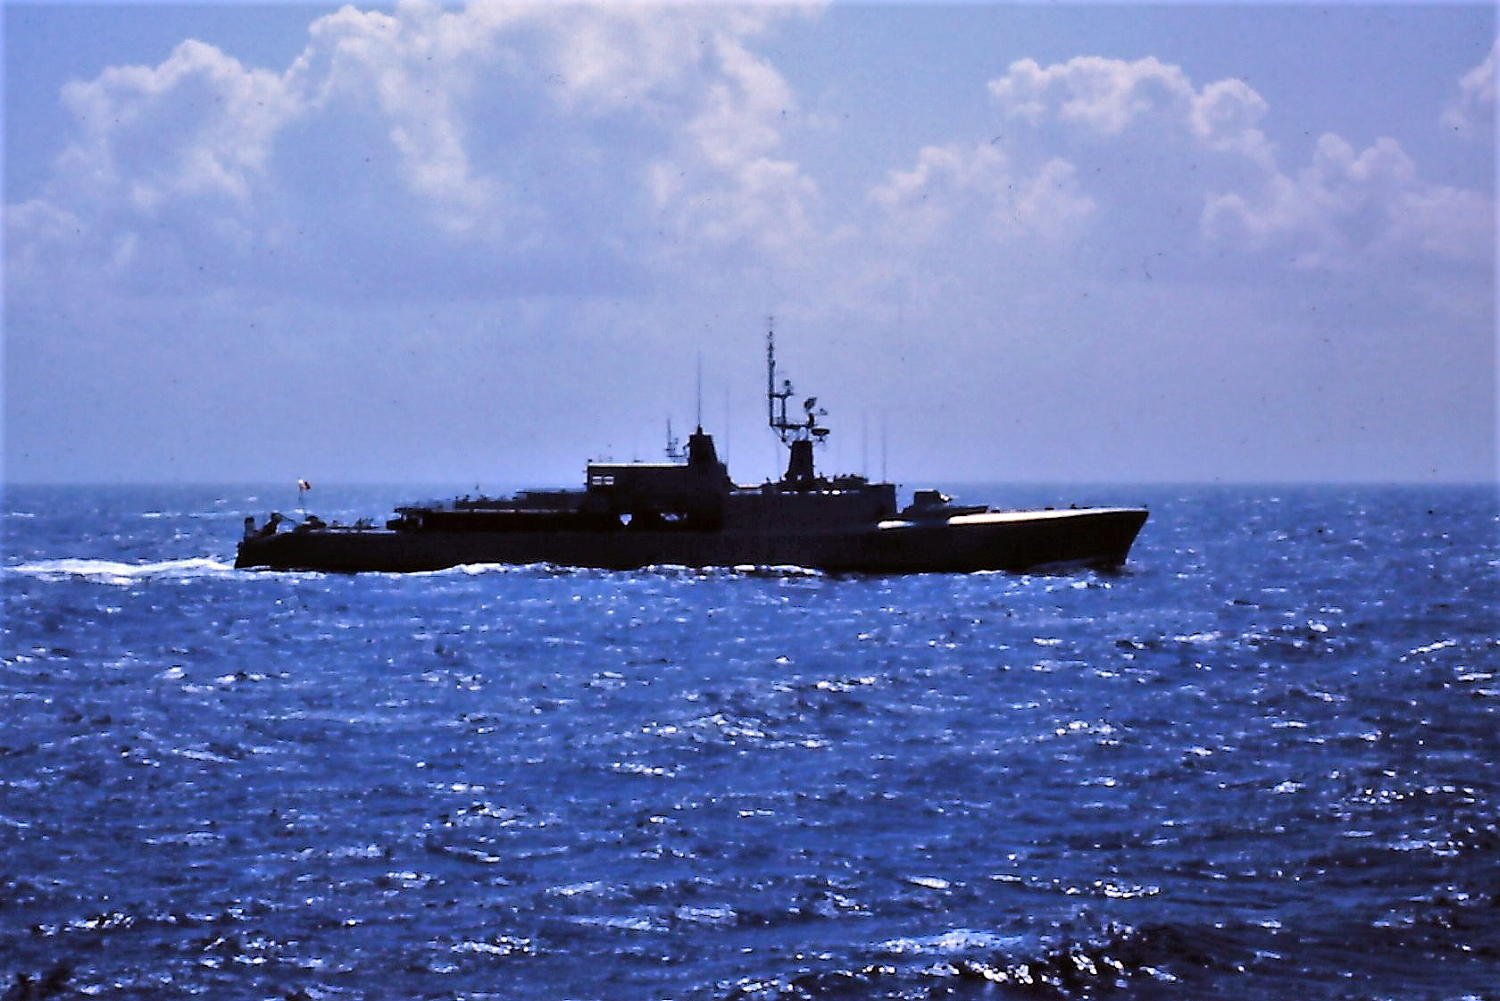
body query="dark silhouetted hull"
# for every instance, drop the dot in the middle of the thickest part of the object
(1022, 540)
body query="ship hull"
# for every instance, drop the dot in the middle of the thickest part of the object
(1015, 541)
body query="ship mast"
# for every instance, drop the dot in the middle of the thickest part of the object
(674, 447)
(798, 436)
(771, 395)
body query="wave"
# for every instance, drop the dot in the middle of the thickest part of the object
(958, 940)
(478, 569)
(117, 572)
(1163, 953)
(1071, 967)
(653, 570)
(114, 572)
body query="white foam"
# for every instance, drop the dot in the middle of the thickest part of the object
(958, 940)
(929, 882)
(478, 569)
(1430, 648)
(114, 572)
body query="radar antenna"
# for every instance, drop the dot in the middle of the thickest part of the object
(798, 436)
(787, 429)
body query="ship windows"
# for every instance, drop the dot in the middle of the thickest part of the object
(602, 480)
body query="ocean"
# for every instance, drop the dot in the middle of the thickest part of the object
(1261, 762)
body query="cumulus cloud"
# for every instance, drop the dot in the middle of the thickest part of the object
(1110, 96)
(120, 184)
(1349, 205)
(1115, 149)
(954, 186)
(522, 149)
(521, 146)
(414, 68)
(1179, 141)
(1472, 112)
(221, 114)
(1119, 150)
(731, 186)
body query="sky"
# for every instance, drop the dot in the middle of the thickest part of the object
(1060, 243)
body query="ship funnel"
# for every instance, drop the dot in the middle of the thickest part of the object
(799, 466)
(701, 451)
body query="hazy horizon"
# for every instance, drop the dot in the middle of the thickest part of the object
(498, 486)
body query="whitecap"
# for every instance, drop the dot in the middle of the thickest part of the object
(504, 945)
(1430, 648)
(575, 889)
(616, 923)
(716, 915)
(956, 940)
(929, 882)
(114, 572)
(478, 569)
(196, 754)
(633, 768)
(775, 570)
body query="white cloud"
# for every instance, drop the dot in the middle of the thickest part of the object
(1349, 207)
(221, 117)
(415, 66)
(1224, 116)
(492, 148)
(1109, 96)
(952, 186)
(723, 182)
(1147, 119)
(507, 141)
(1473, 111)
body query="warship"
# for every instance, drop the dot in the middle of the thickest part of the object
(687, 511)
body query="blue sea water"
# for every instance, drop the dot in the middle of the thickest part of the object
(1262, 762)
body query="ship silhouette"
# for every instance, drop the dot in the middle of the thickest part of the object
(687, 511)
